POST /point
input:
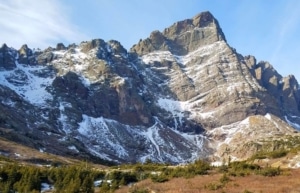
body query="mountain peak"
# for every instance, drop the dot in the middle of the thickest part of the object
(182, 94)
(183, 36)
(203, 19)
(3, 47)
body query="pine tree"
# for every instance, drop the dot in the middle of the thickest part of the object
(105, 187)
(73, 186)
(88, 184)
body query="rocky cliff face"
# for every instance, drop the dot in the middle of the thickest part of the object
(176, 96)
(183, 36)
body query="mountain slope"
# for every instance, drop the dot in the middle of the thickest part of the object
(178, 95)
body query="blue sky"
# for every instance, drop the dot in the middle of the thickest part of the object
(267, 29)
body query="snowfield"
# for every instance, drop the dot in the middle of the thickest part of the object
(27, 83)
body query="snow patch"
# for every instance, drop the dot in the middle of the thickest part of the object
(294, 162)
(217, 47)
(206, 115)
(152, 134)
(63, 119)
(73, 148)
(297, 165)
(8, 102)
(217, 163)
(18, 155)
(294, 125)
(176, 108)
(245, 121)
(27, 84)
(90, 124)
(228, 131)
(158, 56)
(85, 81)
(268, 116)
(97, 183)
(45, 187)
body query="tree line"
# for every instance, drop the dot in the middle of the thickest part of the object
(28, 179)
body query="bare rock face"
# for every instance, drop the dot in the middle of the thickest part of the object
(7, 59)
(26, 56)
(60, 46)
(255, 133)
(284, 90)
(183, 36)
(110, 95)
(45, 57)
(176, 96)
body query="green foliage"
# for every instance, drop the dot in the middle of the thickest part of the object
(259, 155)
(273, 154)
(199, 167)
(30, 180)
(123, 178)
(278, 154)
(224, 179)
(242, 168)
(139, 190)
(216, 186)
(71, 179)
(105, 187)
(269, 171)
(243, 165)
(213, 186)
(9, 174)
(80, 178)
(148, 166)
(223, 168)
(159, 178)
(162, 172)
(3, 158)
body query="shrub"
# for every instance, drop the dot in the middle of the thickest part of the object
(213, 186)
(243, 166)
(224, 179)
(278, 153)
(270, 172)
(139, 190)
(159, 178)
(123, 178)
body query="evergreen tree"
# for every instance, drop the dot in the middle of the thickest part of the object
(73, 186)
(88, 184)
(105, 187)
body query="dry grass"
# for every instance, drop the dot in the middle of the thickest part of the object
(27, 155)
(289, 182)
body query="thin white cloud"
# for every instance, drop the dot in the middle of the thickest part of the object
(285, 54)
(288, 23)
(38, 23)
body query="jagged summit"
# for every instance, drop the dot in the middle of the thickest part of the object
(203, 19)
(183, 36)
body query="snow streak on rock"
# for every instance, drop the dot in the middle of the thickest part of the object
(29, 82)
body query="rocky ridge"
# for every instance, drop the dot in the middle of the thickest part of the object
(176, 96)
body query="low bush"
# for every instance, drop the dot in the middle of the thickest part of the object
(213, 186)
(269, 171)
(278, 153)
(159, 178)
